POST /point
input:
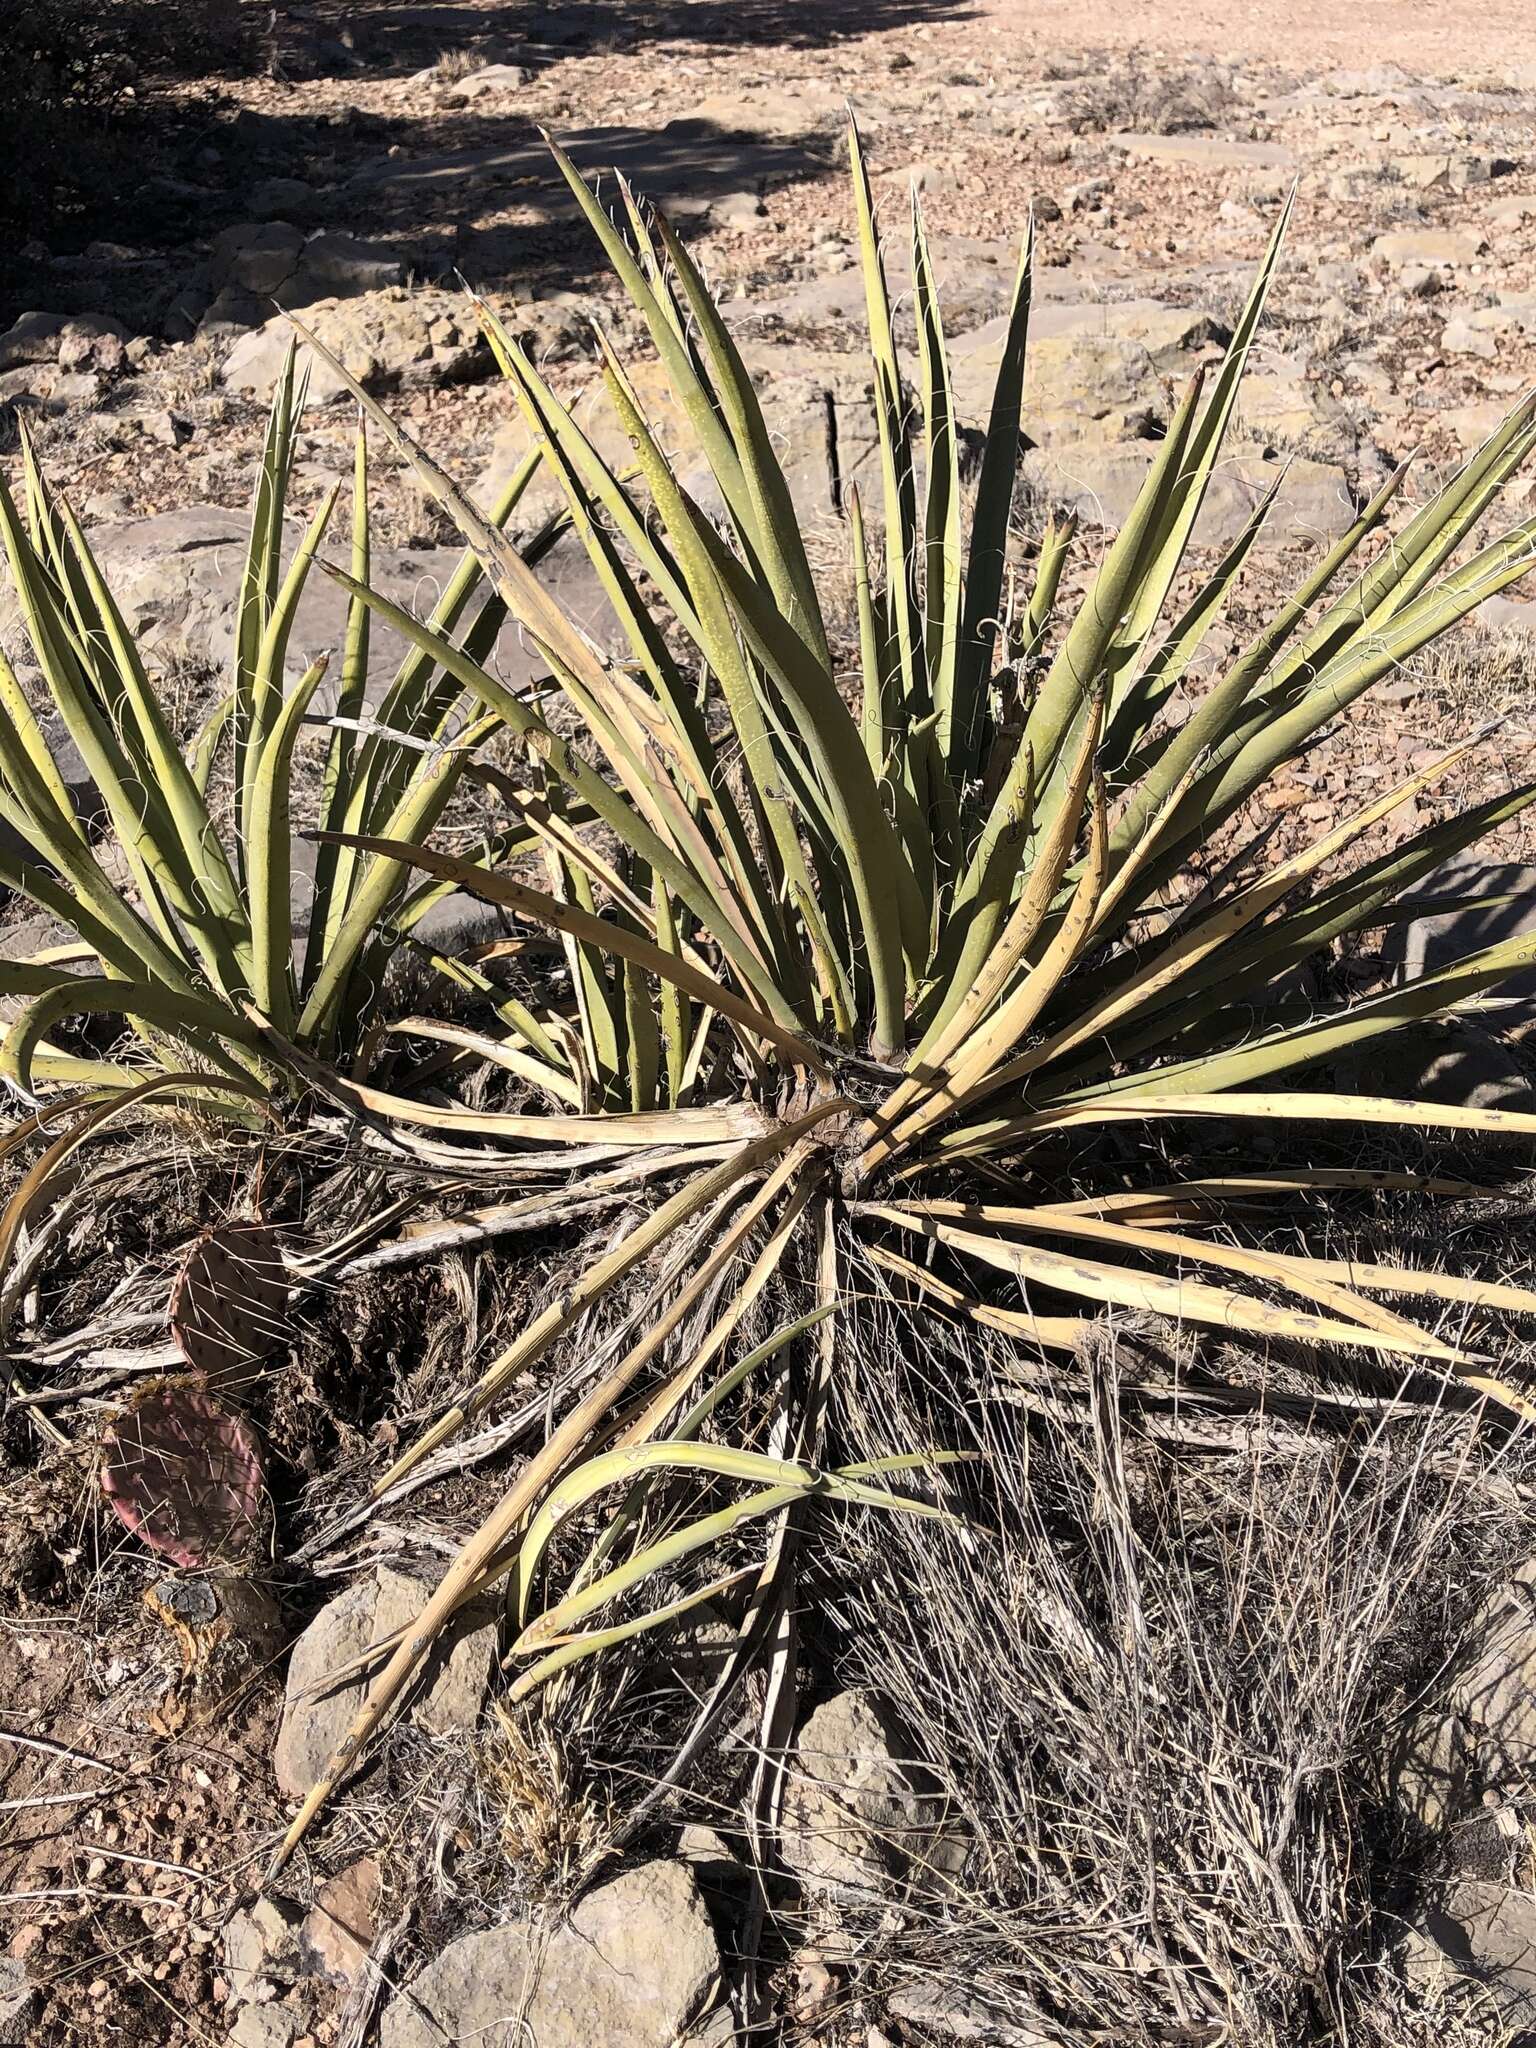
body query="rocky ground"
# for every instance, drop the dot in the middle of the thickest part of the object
(385, 155)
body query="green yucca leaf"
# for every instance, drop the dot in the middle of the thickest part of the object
(269, 840)
(941, 522)
(561, 761)
(203, 1027)
(776, 1478)
(1212, 718)
(332, 882)
(606, 937)
(989, 522)
(1149, 691)
(262, 574)
(982, 891)
(266, 680)
(1252, 754)
(776, 529)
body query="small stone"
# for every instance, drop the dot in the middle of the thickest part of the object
(952, 2012)
(490, 80)
(854, 1813)
(262, 262)
(170, 429)
(814, 1988)
(1208, 152)
(737, 210)
(339, 1927)
(264, 2026)
(17, 1997)
(1427, 1772)
(260, 1948)
(258, 257)
(1488, 901)
(1461, 338)
(708, 1855)
(76, 387)
(84, 345)
(384, 338)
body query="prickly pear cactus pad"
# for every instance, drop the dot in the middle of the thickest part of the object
(229, 1303)
(185, 1476)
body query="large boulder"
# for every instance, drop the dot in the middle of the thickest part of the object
(176, 577)
(636, 1966)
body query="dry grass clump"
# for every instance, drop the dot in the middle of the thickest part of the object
(1485, 667)
(1146, 95)
(1164, 1681)
(552, 1827)
(459, 62)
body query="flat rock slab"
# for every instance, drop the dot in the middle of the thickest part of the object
(272, 260)
(1486, 903)
(685, 166)
(1484, 1935)
(635, 1965)
(1314, 504)
(816, 408)
(392, 340)
(1208, 152)
(1429, 247)
(339, 1928)
(1494, 1691)
(176, 576)
(317, 1711)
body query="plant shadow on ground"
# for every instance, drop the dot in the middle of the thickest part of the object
(174, 167)
(390, 34)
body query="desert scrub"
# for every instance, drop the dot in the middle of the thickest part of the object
(860, 965)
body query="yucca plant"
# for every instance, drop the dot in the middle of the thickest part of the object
(186, 921)
(912, 917)
(847, 946)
